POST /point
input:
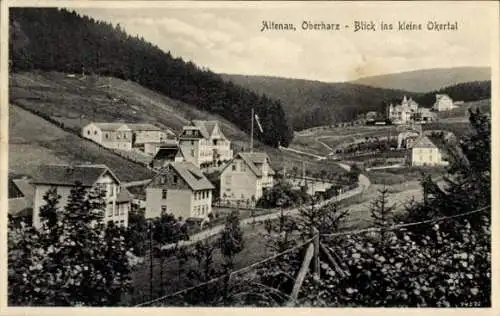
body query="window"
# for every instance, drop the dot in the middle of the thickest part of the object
(122, 222)
(116, 211)
(88, 132)
(162, 180)
(192, 152)
(95, 132)
(163, 208)
(125, 136)
(107, 135)
(228, 180)
(164, 194)
(243, 167)
(192, 142)
(234, 166)
(175, 179)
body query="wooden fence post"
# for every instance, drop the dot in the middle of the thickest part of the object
(316, 265)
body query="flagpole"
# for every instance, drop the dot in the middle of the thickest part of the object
(251, 133)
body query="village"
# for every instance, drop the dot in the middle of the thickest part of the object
(181, 164)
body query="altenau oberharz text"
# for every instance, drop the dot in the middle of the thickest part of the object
(305, 25)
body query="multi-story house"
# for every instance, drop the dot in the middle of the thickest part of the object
(204, 144)
(246, 177)
(64, 177)
(443, 103)
(425, 153)
(181, 189)
(124, 136)
(403, 113)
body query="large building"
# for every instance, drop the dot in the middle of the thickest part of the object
(124, 136)
(443, 103)
(246, 177)
(404, 112)
(204, 144)
(425, 153)
(64, 177)
(181, 189)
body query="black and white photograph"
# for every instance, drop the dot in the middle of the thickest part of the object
(249, 154)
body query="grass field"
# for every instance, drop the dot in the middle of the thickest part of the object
(34, 141)
(401, 175)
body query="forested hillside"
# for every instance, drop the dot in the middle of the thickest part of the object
(59, 40)
(468, 91)
(313, 103)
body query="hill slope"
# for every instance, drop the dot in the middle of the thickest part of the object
(34, 141)
(313, 103)
(428, 79)
(52, 39)
(73, 101)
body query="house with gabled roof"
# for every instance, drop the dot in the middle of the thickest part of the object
(425, 153)
(246, 177)
(204, 143)
(443, 103)
(64, 177)
(181, 189)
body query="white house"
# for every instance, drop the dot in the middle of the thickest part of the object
(403, 113)
(443, 103)
(64, 177)
(246, 177)
(203, 143)
(124, 136)
(181, 189)
(425, 153)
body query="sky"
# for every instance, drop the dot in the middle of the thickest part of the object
(227, 37)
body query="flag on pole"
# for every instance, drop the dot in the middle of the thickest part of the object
(258, 123)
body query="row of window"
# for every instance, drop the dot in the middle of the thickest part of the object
(163, 179)
(201, 210)
(243, 166)
(200, 195)
(119, 210)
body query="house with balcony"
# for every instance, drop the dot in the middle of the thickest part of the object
(180, 189)
(64, 177)
(246, 177)
(204, 143)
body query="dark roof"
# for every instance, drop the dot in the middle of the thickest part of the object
(26, 188)
(192, 175)
(20, 207)
(14, 191)
(168, 153)
(108, 126)
(69, 175)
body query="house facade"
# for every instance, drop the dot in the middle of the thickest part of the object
(63, 179)
(20, 194)
(443, 103)
(109, 135)
(246, 177)
(425, 153)
(181, 189)
(204, 143)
